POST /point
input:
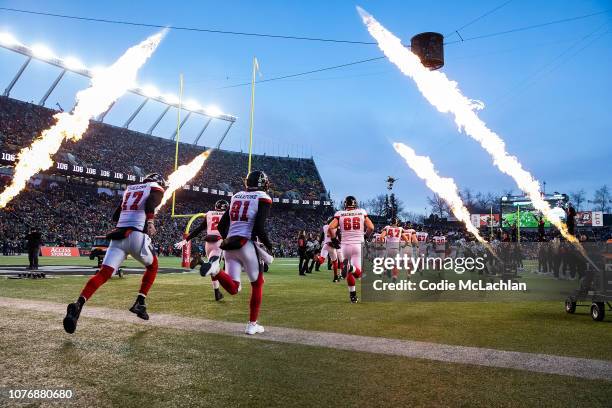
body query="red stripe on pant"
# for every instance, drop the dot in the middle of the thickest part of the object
(96, 281)
(256, 296)
(350, 278)
(149, 277)
(231, 286)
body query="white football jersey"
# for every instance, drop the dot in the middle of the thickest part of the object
(421, 237)
(212, 221)
(394, 234)
(133, 205)
(439, 243)
(352, 225)
(243, 210)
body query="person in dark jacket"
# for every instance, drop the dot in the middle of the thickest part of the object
(312, 250)
(541, 231)
(33, 242)
(301, 244)
(571, 219)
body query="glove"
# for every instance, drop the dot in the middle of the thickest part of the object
(335, 243)
(151, 229)
(263, 254)
(180, 245)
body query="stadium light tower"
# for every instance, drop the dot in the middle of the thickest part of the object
(390, 198)
(136, 112)
(195, 142)
(72, 64)
(52, 87)
(224, 134)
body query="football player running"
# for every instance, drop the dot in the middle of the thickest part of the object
(131, 236)
(353, 223)
(212, 246)
(329, 248)
(440, 244)
(411, 242)
(394, 235)
(421, 237)
(241, 226)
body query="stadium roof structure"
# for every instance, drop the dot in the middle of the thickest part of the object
(71, 64)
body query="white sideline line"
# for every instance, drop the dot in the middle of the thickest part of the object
(539, 363)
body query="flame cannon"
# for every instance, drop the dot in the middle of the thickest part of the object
(429, 47)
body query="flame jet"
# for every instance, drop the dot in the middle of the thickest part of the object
(446, 96)
(182, 175)
(445, 187)
(107, 85)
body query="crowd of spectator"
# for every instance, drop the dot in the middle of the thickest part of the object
(130, 152)
(72, 214)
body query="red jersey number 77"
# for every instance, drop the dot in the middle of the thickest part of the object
(135, 198)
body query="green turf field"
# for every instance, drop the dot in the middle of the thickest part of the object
(190, 368)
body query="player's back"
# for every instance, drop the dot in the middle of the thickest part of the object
(411, 233)
(243, 211)
(393, 235)
(421, 238)
(439, 243)
(351, 224)
(133, 206)
(212, 222)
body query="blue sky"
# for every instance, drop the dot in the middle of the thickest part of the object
(546, 91)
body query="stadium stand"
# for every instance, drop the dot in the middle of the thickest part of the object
(132, 152)
(73, 210)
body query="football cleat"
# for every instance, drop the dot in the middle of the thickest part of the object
(336, 278)
(195, 261)
(140, 310)
(73, 311)
(218, 294)
(253, 328)
(211, 267)
(353, 297)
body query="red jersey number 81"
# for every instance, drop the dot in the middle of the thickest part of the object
(235, 211)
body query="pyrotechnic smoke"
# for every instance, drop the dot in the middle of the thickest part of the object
(107, 85)
(445, 95)
(182, 175)
(445, 187)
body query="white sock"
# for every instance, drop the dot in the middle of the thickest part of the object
(215, 284)
(351, 288)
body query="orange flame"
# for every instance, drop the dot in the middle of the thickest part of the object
(445, 187)
(446, 96)
(107, 86)
(182, 175)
